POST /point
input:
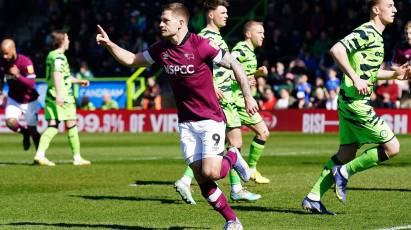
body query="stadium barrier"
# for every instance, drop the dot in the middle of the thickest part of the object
(291, 120)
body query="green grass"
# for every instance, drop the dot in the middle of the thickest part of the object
(99, 196)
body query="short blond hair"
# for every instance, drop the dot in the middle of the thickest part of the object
(249, 24)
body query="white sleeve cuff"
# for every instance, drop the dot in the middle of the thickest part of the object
(217, 59)
(148, 57)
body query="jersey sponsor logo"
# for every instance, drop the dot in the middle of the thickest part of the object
(182, 69)
(379, 54)
(30, 69)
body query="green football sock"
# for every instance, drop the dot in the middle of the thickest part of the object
(189, 172)
(73, 139)
(370, 158)
(46, 138)
(326, 180)
(256, 149)
(234, 178)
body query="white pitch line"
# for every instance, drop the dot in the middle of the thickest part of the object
(397, 228)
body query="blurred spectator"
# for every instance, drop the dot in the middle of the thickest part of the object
(304, 87)
(86, 104)
(319, 99)
(375, 101)
(108, 103)
(319, 84)
(84, 72)
(258, 91)
(333, 83)
(269, 100)
(332, 100)
(151, 96)
(301, 102)
(285, 101)
(287, 85)
(388, 91)
(402, 55)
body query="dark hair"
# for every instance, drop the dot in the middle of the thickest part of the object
(371, 4)
(57, 38)
(178, 8)
(213, 4)
(249, 24)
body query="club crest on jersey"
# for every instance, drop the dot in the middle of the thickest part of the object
(165, 56)
(189, 56)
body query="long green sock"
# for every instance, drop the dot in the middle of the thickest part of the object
(256, 149)
(189, 172)
(46, 138)
(234, 178)
(370, 158)
(325, 181)
(73, 139)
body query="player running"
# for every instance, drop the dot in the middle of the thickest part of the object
(18, 70)
(60, 102)
(187, 60)
(359, 55)
(216, 14)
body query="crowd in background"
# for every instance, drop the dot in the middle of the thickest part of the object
(298, 35)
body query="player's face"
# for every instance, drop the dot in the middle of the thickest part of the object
(257, 35)
(408, 35)
(220, 16)
(169, 24)
(66, 42)
(8, 54)
(387, 11)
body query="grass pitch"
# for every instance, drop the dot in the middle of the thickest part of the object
(100, 196)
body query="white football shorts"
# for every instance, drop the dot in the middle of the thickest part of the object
(29, 111)
(201, 139)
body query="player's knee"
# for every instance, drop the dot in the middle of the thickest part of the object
(393, 149)
(12, 124)
(263, 134)
(210, 173)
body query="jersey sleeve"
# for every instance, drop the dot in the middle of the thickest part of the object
(356, 40)
(239, 55)
(28, 70)
(152, 53)
(208, 51)
(58, 64)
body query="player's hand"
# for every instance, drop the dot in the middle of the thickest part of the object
(59, 101)
(362, 86)
(85, 83)
(403, 72)
(251, 105)
(102, 37)
(219, 94)
(14, 71)
(261, 72)
(252, 81)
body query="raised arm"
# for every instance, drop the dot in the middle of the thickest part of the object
(229, 62)
(123, 56)
(339, 53)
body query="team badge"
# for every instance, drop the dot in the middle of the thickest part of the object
(189, 56)
(165, 56)
(30, 69)
(384, 133)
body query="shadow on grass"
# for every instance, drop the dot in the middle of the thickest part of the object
(127, 198)
(380, 189)
(151, 182)
(270, 209)
(74, 225)
(24, 163)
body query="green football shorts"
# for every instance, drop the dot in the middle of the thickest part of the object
(65, 112)
(237, 115)
(359, 124)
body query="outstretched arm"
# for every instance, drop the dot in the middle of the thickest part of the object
(402, 72)
(229, 62)
(123, 56)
